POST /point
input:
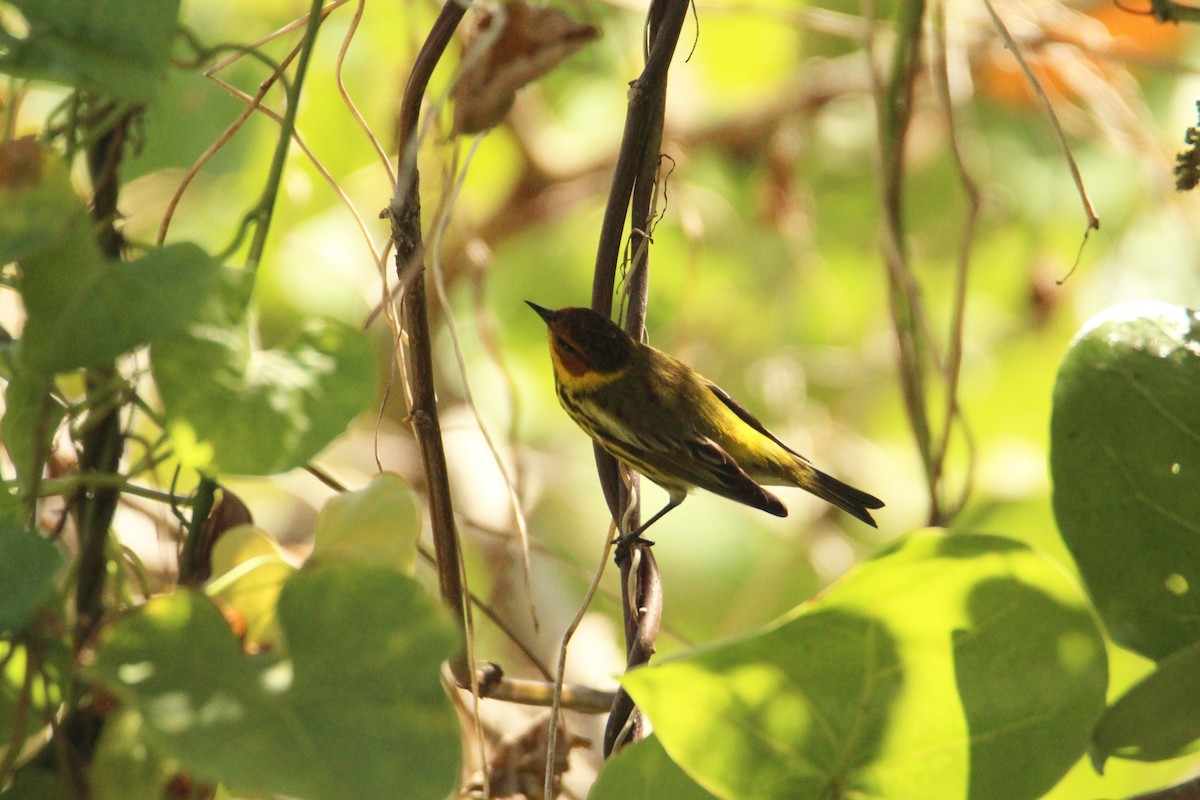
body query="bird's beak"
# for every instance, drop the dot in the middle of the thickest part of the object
(546, 314)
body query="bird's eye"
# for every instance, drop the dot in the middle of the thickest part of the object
(563, 344)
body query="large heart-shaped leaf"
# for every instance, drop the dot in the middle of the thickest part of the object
(354, 708)
(234, 407)
(1125, 458)
(932, 670)
(84, 309)
(643, 771)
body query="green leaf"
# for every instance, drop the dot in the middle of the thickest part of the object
(50, 660)
(29, 565)
(928, 671)
(378, 524)
(123, 767)
(117, 47)
(1156, 719)
(40, 206)
(354, 708)
(644, 771)
(249, 571)
(34, 782)
(31, 417)
(238, 409)
(84, 310)
(1125, 459)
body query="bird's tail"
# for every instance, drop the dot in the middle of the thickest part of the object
(854, 502)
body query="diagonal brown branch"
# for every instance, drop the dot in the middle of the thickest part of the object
(630, 197)
(404, 213)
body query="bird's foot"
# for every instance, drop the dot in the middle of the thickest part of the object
(624, 543)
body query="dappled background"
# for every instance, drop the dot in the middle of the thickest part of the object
(769, 274)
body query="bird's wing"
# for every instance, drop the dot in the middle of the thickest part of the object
(732, 481)
(706, 466)
(746, 417)
(846, 497)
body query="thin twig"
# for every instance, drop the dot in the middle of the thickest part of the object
(1093, 221)
(404, 214)
(255, 104)
(560, 670)
(380, 257)
(893, 115)
(299, 22)
(266, 206)
(215, 147)
(69, 484)
(349, 102)
(441, 220)
(954, 352)
(276, 75)
(630, 198)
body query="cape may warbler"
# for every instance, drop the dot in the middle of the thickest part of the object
(660, 417)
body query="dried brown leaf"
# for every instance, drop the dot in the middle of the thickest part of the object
(531, 42)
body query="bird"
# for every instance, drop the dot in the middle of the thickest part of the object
(663, 419)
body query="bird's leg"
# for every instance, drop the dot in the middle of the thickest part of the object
(624, 541)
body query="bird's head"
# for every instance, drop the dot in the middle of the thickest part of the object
(583, 342)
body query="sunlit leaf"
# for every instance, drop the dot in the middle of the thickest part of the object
(255, 411)
(928, 671)
(248, 573)
(1125, 458)
(644, 771)
(40, 702)
(354, 708)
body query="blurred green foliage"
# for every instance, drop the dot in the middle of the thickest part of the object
(766, 275)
